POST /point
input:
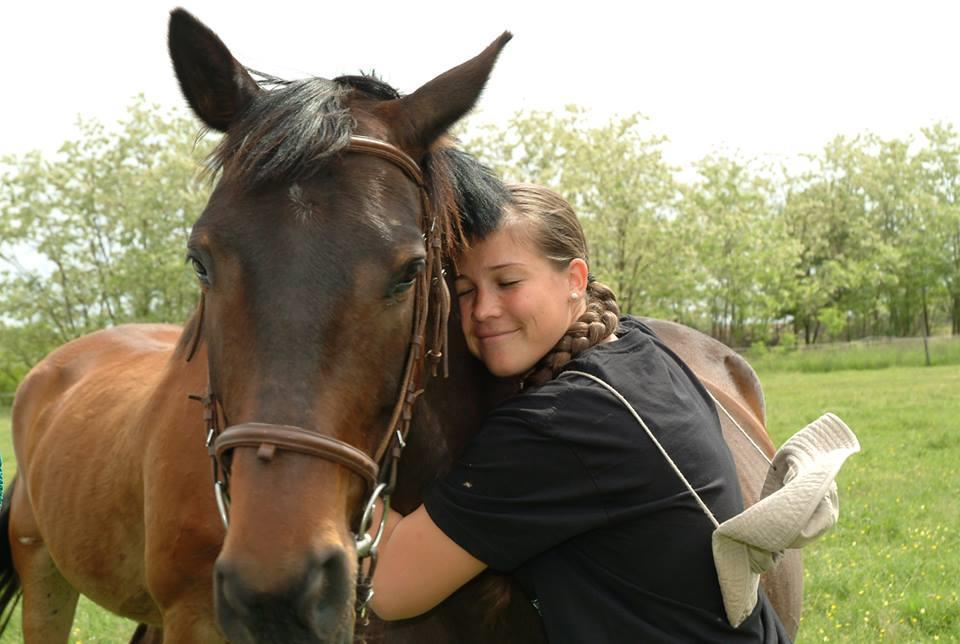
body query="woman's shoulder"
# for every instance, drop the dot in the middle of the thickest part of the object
(635, 354)
(644, 371)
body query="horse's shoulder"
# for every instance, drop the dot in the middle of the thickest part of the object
(713, 361)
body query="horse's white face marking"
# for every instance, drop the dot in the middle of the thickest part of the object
(301, 207)
(377, 217)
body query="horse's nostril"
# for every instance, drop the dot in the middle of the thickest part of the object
(232, 593)
(312, 606)
(326, 588)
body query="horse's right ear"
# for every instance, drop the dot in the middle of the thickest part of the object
(217, 87)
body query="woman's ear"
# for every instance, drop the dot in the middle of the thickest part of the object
(577, 276)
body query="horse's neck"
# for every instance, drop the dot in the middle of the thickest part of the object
(449, 413)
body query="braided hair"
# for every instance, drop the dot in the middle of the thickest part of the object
(553, 227)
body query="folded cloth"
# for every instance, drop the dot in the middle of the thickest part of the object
(798, 503)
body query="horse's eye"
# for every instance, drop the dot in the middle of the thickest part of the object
(409, 277)
(198, 267)
(413, 269)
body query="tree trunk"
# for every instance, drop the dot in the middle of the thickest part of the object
(955, 316)
(926, 324)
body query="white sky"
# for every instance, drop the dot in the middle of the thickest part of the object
(768, 79)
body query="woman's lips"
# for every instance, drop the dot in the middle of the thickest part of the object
(487, 337)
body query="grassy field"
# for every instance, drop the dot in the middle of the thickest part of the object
(889, 571)
(861, 355)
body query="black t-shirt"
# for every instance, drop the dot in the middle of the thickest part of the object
(563, 489)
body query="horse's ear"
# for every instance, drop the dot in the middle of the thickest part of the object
(420, 118)
(217, 87)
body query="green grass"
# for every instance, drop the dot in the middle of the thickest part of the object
(888, 572)
(875, 354)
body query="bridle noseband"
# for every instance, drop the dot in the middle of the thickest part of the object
(379, 471)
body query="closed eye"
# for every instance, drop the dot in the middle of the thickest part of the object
(463, 286)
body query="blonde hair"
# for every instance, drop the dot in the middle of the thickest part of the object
(548, 222)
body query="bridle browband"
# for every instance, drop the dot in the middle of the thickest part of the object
(379, 471)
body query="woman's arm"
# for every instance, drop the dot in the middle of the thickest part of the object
(419, 566)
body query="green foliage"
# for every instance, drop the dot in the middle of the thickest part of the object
(878, 225)
(744, 251)
(95, 236)
(941, 171)
(866, 242)
(787, 340)
(624, 192)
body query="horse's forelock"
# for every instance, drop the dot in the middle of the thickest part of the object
(480, 194)
(285, 133)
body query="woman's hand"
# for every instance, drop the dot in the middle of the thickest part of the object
(419, 566)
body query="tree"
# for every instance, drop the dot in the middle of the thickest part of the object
(941, 163)
(902, 211)
(844, 262)
(95, 236)
(746, 256)
(616, 178)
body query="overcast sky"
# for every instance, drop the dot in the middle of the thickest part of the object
(768, 79)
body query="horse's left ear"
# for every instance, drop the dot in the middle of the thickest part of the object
(420, 118)
(217, 87)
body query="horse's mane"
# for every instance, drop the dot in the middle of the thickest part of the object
(284, 133)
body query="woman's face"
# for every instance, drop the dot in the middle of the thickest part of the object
(515, 305)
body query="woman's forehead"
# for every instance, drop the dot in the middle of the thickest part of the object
(498, 250)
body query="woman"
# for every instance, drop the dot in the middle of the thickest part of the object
(560, 487)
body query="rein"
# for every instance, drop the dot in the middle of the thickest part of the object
(379, 470)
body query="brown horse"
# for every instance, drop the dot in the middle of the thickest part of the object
(311, 259)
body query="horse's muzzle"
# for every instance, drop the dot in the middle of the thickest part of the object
(314, 607)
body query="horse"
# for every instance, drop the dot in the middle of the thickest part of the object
(208, 481)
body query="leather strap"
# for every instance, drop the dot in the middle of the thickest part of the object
(296, 439)
(391, 153)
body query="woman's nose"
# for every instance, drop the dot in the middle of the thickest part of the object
(485, 305)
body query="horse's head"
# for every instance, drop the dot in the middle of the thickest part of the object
(312, 258)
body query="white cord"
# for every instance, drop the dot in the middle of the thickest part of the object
(676, 469)
(742, 430)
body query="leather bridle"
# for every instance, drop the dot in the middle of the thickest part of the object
(379, 470)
